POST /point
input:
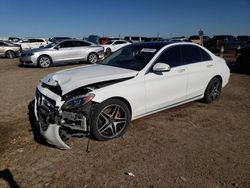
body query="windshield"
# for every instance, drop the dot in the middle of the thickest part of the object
(134, 57)
(50, 45)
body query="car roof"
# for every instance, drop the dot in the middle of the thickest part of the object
(157, 45)
(76, 40)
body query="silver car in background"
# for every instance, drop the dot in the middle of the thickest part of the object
(66, 51)
(9, 50)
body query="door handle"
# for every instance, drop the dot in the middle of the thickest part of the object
(210, 65)
(181, 70)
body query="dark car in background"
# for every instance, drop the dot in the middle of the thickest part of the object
(222, 43)
(14, 39)
(242, 63)
(244, 39)
(196, 39)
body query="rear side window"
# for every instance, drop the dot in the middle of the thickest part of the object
(204, 55)
(81, 43)
(171, 56)
(190, 54)
(120, 42)
(193, 54)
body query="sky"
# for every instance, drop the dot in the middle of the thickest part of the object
(81, 18)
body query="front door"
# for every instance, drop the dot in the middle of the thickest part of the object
(166, 88)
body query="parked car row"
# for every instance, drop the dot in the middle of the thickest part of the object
(66, 51)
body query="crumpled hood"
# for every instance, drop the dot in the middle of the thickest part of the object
(74, 78)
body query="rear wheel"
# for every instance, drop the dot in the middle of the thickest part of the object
(10, 54)
(213, 90)
(110, 120)
(92, 58)
(44, 61)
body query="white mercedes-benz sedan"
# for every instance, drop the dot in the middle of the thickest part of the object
(140, 79)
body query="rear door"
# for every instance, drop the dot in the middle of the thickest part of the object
(200, 66)
(166, 88)
(81, 50)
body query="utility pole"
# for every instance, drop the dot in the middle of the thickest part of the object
(158, 34)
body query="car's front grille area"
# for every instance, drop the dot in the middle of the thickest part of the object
(55, 89)
(46, 110)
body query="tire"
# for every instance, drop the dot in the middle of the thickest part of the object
(110, 120)
(108, 52)
(92, 58)
(10, 54)
(44, 61)
(213, 90)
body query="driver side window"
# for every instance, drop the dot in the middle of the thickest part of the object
(171, 56)
(66, 44)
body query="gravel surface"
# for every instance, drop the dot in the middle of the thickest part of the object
(193, 145)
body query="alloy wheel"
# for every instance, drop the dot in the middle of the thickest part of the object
(44, 61)
(93, 58)
(215, 90)
(111, 121)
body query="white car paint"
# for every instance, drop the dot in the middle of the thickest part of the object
(92, 74)
(32, 43)
(115, 45)
(146, 92)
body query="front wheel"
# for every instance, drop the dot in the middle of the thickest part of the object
(92, 58)
(44, 61)
(213, 90)
(110, 120)
(10, 54)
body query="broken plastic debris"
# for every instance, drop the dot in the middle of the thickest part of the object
(130, 174)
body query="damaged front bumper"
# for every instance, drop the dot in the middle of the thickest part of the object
(53, 122)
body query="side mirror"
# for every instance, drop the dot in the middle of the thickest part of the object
(57, 47)
(161, 67)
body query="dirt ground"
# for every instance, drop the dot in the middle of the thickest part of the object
(193, 145)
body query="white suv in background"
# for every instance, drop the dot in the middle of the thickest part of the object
(114, 45)
(31, 43)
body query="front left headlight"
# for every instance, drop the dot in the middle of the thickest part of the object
(77, 102)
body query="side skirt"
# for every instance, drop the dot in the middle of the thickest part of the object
(169, 106)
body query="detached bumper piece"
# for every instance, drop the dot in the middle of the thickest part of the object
(53, 125)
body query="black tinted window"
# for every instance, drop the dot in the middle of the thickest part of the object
(119, 42)
(171, 56)
(204, 55)
(66, 44)
(81, 43)
(2, 44)
(190, 54)
(135, 38)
